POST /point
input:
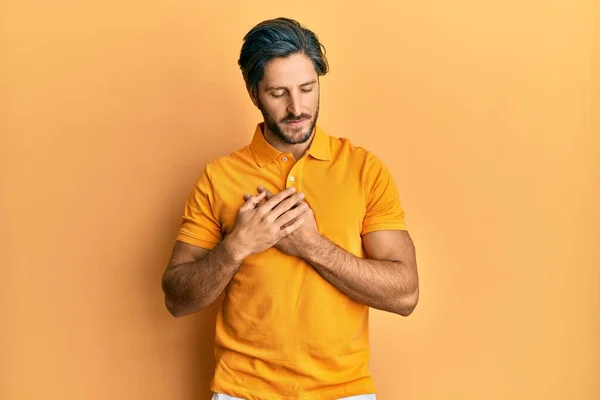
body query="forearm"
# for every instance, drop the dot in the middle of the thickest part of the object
(385, 285)
(191, 287)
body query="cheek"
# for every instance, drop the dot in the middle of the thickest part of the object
(275, 109)
(313, 102)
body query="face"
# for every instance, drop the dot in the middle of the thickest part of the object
(288, 98)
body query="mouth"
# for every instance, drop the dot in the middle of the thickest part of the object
(296, 122)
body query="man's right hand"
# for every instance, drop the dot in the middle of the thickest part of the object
(259, 226)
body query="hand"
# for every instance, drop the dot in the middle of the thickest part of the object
(259, 226)
(301, 239)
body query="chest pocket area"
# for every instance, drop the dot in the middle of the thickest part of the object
(339, 215)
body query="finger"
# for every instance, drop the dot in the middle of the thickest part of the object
(292, 228)
(269, 193)
(285, 205)
(252, 202)
(247, 196)
(275, 200)
(299, 203)
(291, 215)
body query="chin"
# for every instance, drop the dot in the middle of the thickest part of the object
(299, 138)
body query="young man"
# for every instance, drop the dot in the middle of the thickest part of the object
(302, 232)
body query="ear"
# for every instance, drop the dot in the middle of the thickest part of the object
(253, 95)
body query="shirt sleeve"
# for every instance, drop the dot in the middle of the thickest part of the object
(200, 227)
(383, 208)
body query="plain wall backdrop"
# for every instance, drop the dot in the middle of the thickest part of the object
(485, 112)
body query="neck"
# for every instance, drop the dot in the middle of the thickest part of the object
(297, 150)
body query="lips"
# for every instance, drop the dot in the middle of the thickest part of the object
(296, 122)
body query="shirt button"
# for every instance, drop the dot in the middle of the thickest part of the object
(292, 179)
(284, 159)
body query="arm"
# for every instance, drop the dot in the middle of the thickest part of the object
(387, 280)
(196, 277)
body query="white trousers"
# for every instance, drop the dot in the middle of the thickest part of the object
(218, 396)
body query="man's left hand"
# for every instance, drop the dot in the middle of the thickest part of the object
(303, 239)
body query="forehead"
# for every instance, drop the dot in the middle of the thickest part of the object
(288, 72)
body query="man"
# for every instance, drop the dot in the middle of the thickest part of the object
(300, 231)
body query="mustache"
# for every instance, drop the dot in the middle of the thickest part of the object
(294, 118)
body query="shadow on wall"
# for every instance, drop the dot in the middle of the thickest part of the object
(200, 351)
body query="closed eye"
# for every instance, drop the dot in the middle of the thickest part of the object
(278, 94)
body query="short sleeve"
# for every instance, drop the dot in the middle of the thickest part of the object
(200, 227)
(383, 208)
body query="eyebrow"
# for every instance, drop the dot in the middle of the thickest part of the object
(283, 88)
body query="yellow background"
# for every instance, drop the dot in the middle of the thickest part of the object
(485, 112)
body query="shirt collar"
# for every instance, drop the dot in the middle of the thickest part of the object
(264, 153)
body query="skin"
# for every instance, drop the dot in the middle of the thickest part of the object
(387, 279)
(289, 92)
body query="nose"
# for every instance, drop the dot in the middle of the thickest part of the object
(294, 105)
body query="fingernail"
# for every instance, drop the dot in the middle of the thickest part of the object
(301, 195)
(292, 189)
(260, 188)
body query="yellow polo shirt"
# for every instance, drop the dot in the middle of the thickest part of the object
(284, 332)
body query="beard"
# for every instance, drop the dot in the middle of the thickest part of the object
(279, 128)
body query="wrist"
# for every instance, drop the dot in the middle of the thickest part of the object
(317, 245)
(234, 248)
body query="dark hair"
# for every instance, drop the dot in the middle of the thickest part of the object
(280, 37)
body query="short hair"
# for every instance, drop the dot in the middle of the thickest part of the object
(279, 37)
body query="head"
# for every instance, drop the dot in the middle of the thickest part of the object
(281, 62)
